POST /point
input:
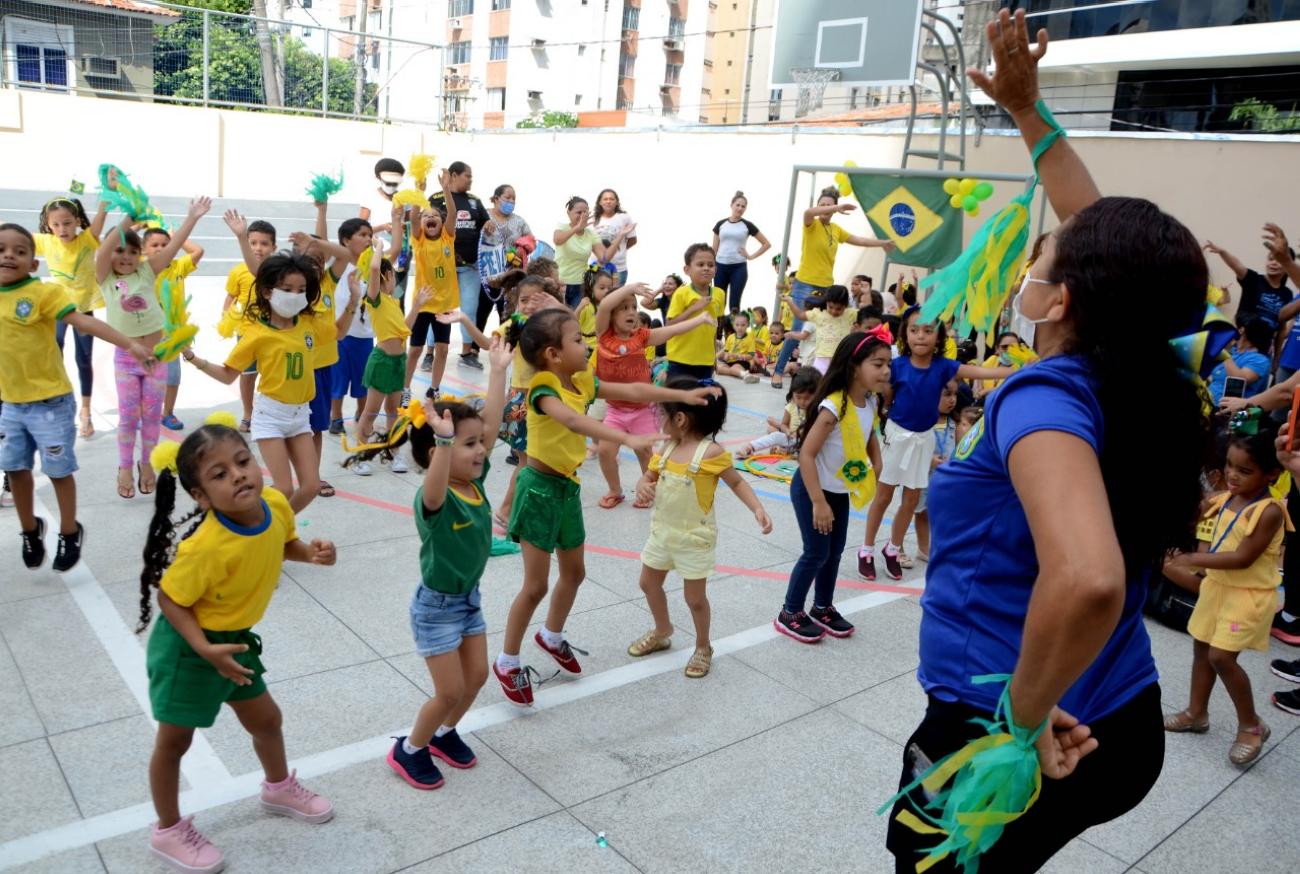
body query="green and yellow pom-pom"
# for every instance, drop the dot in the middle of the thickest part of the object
(411, 197)
(171, 346)
(222, 417)
(1020, 355)
(419, 168)
(324, 186)
(854, 471)
(164, 455)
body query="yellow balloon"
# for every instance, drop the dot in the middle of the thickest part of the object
(843, 184)
(951, 186)
(966, 186)
(850, 163)
(956, 200)
(973, 213)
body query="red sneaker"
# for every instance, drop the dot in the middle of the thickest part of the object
(516, 684)
(563, 655)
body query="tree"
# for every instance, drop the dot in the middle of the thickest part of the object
(1265, 117)
(550, 118)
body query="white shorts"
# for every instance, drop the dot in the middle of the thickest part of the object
(905, 457)
(273, 420)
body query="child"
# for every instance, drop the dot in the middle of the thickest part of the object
(762, 333)
(835, 446)
(693, 353)
(667, 289)
(39, 413)
(830, 325)
(356, 334)
(869, 317)
(256, 243)
(916, 383)
(280, 342)
(740, 351)
(596, 283)
(68, 239)
(782, 434)
(945, 440)
(433, 248)
(1238, 596)
(127, 285)
(202, 651)
(860, 290)
(386, 367)
(775, 337)
(681, 482)
(547, 513)
(620, 357)
(454, 519)
(155, 240)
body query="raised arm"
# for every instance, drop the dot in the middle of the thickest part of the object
(397, 229)
(812, 213)
(322, 227)
(615, 299)
(1276, 243)
(439, 472)
(239, 227)
(870, 242)
(799, 312)
(199, 207)
(659, 336)
(1234, 263)
(494, 408)
(194, 250)
(97, 223)
(104, 254)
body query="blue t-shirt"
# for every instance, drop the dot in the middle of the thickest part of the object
(1250, 360)
(1291, 351)
(982, 561)
(917, 391)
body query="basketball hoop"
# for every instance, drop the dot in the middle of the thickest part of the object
(812, 82)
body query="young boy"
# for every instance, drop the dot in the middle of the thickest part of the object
(860, 290)
(693, 353)
(739, 351)
(869, 317)
(433, 249)
(356, 334)
(155, 240)
(256, 242)
(39, 412)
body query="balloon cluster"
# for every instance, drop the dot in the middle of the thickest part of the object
(967, 194)
(842, 181)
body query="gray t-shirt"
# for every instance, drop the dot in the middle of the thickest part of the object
(507, 231)
(732, 237)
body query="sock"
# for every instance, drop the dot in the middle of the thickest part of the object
(508, 662)
(1287, 617)
(283, 783)
(892, 550)
(553, 639)
(866, 552)
(409, 748)
(442, 729)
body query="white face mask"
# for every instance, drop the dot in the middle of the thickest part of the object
(287, 304)
(1021, 325)
(389, 187)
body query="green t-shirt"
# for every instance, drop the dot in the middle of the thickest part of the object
(455, 540)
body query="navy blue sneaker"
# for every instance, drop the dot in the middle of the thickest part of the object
(452, 750)
(417, 768)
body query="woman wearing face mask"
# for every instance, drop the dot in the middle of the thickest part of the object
(1048, 590)
(504, 229)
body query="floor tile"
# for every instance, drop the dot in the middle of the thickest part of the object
(107, 765)
(33, 795)
(555, 843)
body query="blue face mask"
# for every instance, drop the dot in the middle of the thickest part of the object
(506, 207)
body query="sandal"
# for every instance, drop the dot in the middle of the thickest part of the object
(127, 489)
(701, 661)
(776, 382)
(87, 428)
(245, 425)
(326, 490)
(905, 561)
(1182, 722)
(1243, 752)
(610, 501)
(147, 484)
(649, 643)
(639, 504)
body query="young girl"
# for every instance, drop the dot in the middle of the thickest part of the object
(1238, 596)
(280, 342)
(916, 383)
(386, 369)
(596, 283)
(547, 513)
(829, 325)
(762, 333)
(620, 357)
(782, 434)
(202, 651)
(681, 483)
(67, 240)
(127, 285)
(838, 458)
(739, 357)
(693, 353)
(945, 440)
(452, 443)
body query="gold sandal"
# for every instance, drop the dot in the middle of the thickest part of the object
(701, 661)
(1245, 753)
(1182, 722)
(649, 643)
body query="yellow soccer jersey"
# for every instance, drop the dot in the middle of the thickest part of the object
(550, 442)
(695, 347)
(435, 268)
(285, 359)
(327, 333)
(72, 265)
(386, 316)
(31, 366)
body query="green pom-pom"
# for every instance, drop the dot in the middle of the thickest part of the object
(323, 186)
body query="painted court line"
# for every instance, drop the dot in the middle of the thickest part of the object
(208, 795)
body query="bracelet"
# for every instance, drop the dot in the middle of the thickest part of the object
(443, 442)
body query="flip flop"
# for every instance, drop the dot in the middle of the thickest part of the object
(86, 428)
(245, 425)
(153, 480)
(326, 490)
(609, 502)
(639, 504)
(128, 490)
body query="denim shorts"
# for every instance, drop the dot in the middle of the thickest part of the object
(48, 427)
(439, 622)
(174, 372)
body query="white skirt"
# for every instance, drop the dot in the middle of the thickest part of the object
(905, 457)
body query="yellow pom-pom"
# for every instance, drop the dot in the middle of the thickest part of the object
(222, 417)
(164, 455)
(411, 197)
(420, 167)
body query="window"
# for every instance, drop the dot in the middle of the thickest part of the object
(457, 8)
(498, 48)
(39, 53)
(626, 65)
(374, 54)
(582, 49)
(498, 5)
(496, 100)
(306, 33)
(577, 100)
(622, 103)
(306, 4)
(375, 23)
(672, 72)
(631, 17)
(1113, 18)
(774, 105)
(677, 29)
(458, 52)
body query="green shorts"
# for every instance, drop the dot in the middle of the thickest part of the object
(384, 373)
(184, 688)
(547, 512)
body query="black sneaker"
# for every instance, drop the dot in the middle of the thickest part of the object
(893, 567)
(452, 750)
(336, 426)
(34, 545)
(417, 768)
(867, 566)
(471, 361)
(69, 551)
(831, 621)
(426, 363)
(1288, 701)
(798, 626)
(432, 392)
(513, 458)
(1287, 632)
(1286, 670)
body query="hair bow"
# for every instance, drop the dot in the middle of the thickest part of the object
(880, 332)
(607, 267)
(414, 411)
(1201, 349)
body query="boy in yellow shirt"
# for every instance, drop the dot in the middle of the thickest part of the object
(256, 242)
(739, 351)
(433, 252)
(692, 353)
(155, 240)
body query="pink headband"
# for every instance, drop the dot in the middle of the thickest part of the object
(879, 332)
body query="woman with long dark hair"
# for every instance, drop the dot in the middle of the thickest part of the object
(616, 230)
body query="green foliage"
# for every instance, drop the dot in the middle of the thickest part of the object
(1265, 117)
(551, 119)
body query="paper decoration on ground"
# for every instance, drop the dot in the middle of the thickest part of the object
(777, 467)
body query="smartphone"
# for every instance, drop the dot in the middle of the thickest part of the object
(1290, 428)
(1234, 387)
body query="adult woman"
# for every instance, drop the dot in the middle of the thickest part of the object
(821, 240)
(504, 229)
(575, 243)
(730, 240)
(1049, 589)
(609, 222)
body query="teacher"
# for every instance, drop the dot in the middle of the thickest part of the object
(1049, 587)
(731, 241)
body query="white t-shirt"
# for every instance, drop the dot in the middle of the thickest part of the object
(808, 345)
(361, 326)
(889, 303)
(732, 238)
(831, 458)
(381, 212)
(607, 229)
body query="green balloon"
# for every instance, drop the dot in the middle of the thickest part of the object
(983, 191)
(970, 202)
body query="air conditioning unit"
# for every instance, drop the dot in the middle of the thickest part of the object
(454, 23)
(666, 89)
(539, 43)
(672, 45)
(534, 95)
(101, 68)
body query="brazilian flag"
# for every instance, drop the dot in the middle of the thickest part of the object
(913, 212)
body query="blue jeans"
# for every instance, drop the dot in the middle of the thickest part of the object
(819, 563)
(732, 279)
(573, 296)
(82, 342)
(800, 291)
(468, 279)
(439, 622)
(48, 427)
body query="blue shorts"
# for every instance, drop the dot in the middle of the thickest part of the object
(351, 367)
(48, 427)
(439, 622)
(174, 371)
(320, 404)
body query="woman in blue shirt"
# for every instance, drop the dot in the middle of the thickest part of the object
(1080, 495)
(1249, 361)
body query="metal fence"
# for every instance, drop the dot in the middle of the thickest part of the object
(209, 57)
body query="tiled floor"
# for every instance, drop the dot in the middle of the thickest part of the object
(781, 751)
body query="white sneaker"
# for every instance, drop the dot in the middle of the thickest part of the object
(363, 468)
(399, 464)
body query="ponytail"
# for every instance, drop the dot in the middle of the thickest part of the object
(159, 546)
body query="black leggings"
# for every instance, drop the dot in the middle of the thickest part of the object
(1108, 783)
(82, 342)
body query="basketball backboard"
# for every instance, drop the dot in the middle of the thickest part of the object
(868, 42)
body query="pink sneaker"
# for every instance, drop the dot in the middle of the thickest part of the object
(293, 799)
(185, 848)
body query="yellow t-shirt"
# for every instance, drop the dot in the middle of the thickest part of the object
(226, 573)
(737, 345)
(761, 338)
(705, 479)
(696, 346)
(326, 351)
(817, 257)
(386, 316)
(72, 265)
(284, 359)
(435, 267)
(521, 372)
(950, 349)
(174, 273)
(831, 330)
(31, 366)
(550, 442)
(587, 320)
(239, 285)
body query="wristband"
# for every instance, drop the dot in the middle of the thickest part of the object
(1048, 141)
(443, 442)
